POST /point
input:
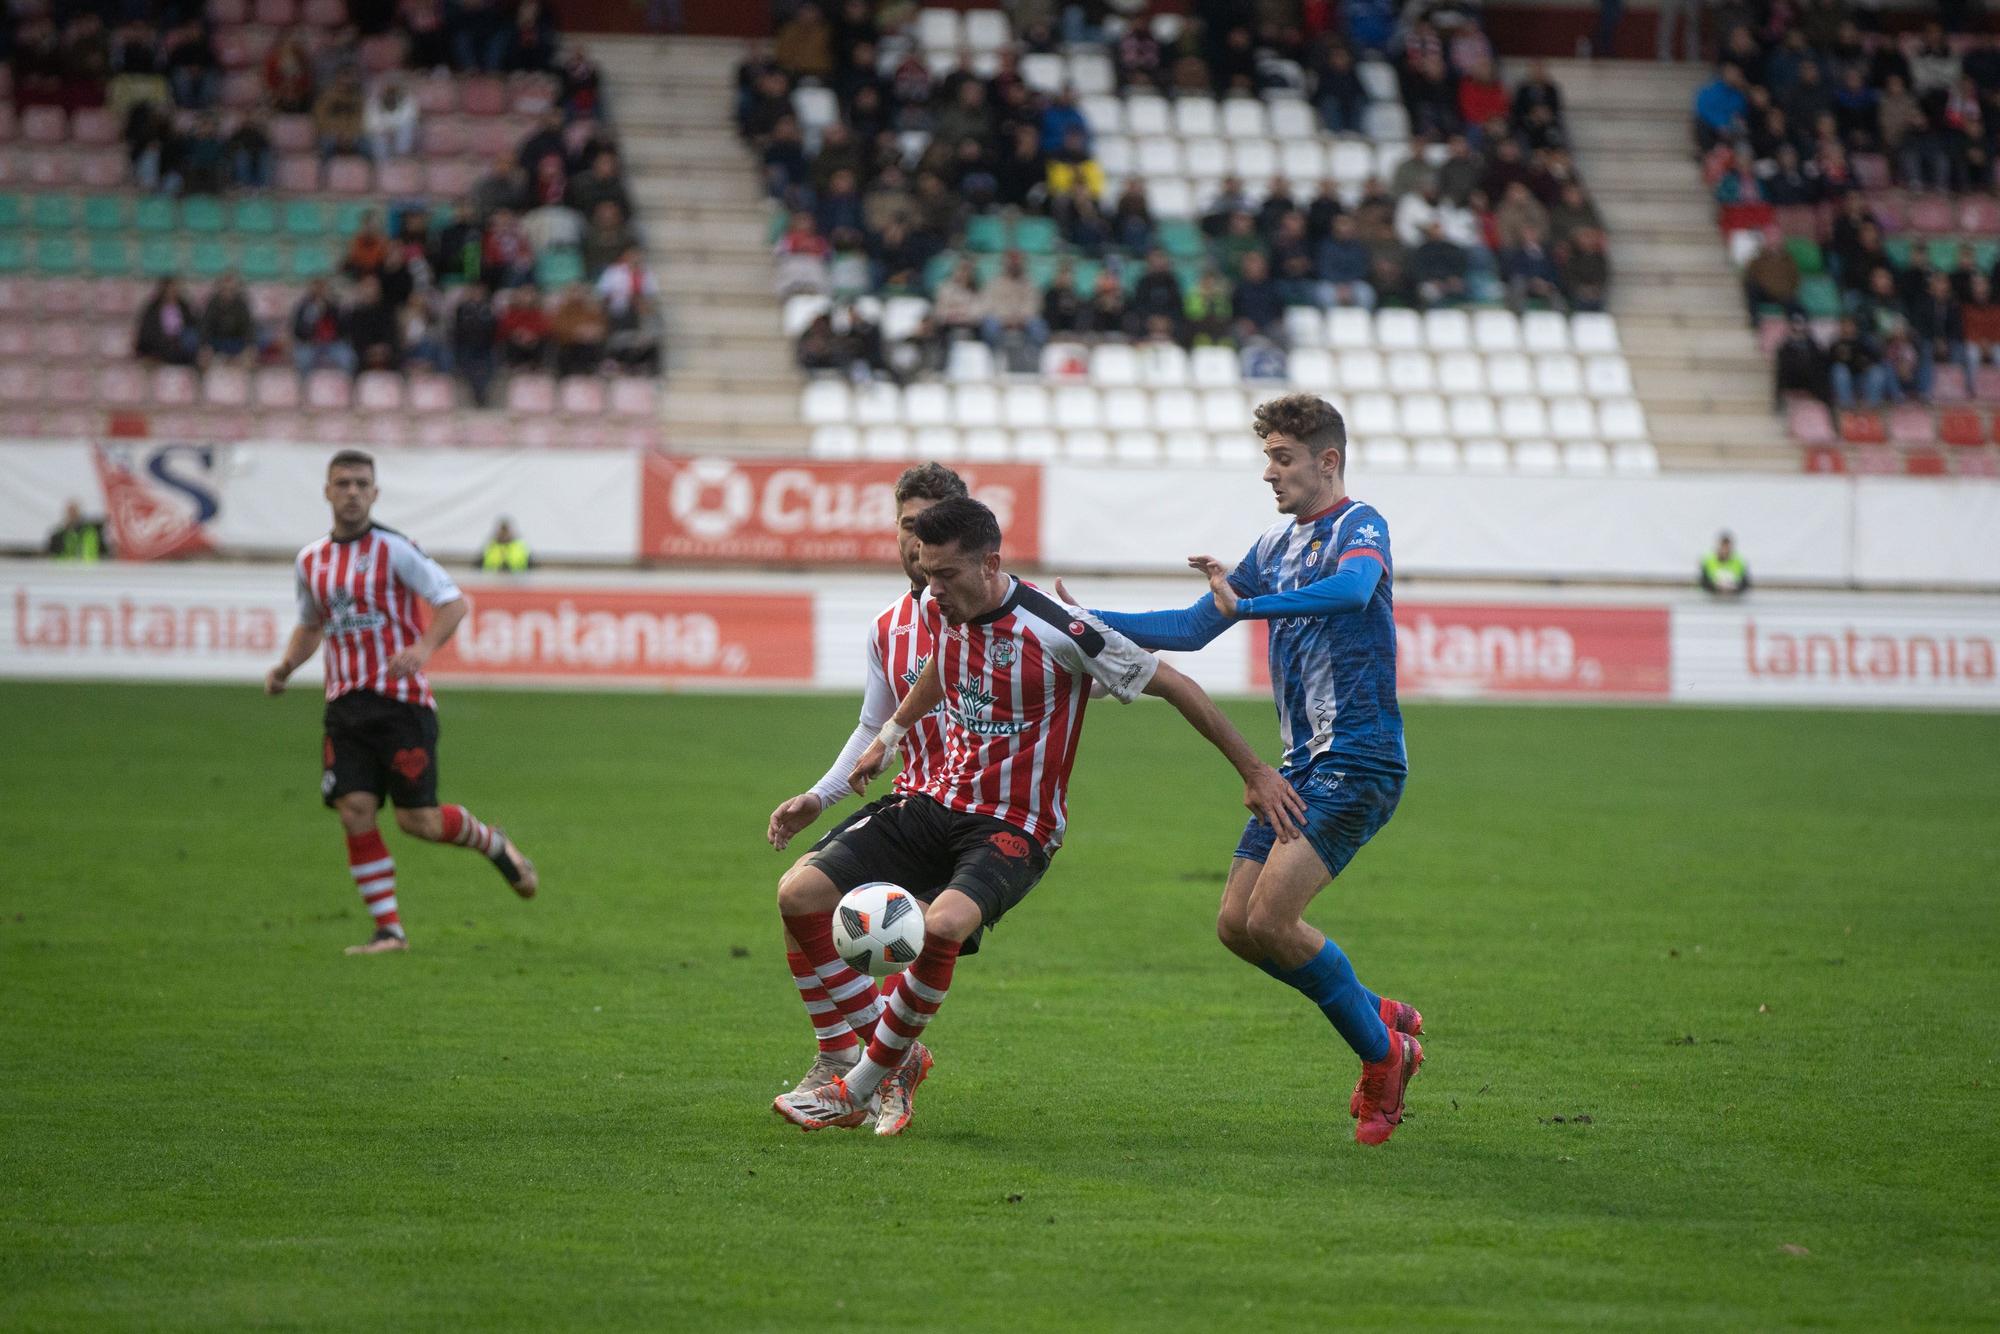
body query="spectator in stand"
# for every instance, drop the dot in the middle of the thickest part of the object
(804, 43)
(1158, 292)
(1482, 98)
(319, 331)
(424, 344)
(1530, 273)
(1430, 94)
(475, 333)
(1062, 304)
(167, 332)
(839, 207)
(531, 40)
(1140, 64)
(78, 539)
(205, 168)
(604, 183)
(504, 186)
(1855, 361)
(1982, 321)
(1686, 15)
(1437, 271)
(1586, 271)
(1013, 307)
(626, 286)
(849, 272)
(390, 122)
(1461, 171)
(86, 60)
(802, 255)
(1072, 167)
(1104, 315)
(1880, 306)
(1772, 278)
(367, 248)
(819, 348)
(138, 73)
(1344, 266)
(1020, 176)
(606, 237)
(1084, 225)
(522, 329)
(1208, 319)
(249, 152)
(1937, 327)
(958, 305)
(1721, 108)
(423, 26)
(454, 253)
(228, 327)
(478, 32)
(1573, 212)
(506, 257)
(580, 329)
(1535, 91)
(1518, 211)
(373, 330)
(1801, 367)
(288, 74)
(786, 167)
(193, 70)
(544, 141)
(1257, 301)
(579, 85)
(1338, 91)
(1132, 217)
(338, 119)
(1416, 212)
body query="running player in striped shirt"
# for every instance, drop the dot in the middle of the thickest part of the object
(1013, 668)
(358, 590)
(898, 650)
(1322, 579)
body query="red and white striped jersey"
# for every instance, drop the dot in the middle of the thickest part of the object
(899, 648)
(362, 594)
(1016, 681)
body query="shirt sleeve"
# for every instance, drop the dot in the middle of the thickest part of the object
(1092, 648)
(308, 604)
(878, 697)
(1248, 576)
(1184, 630)
(422, 575)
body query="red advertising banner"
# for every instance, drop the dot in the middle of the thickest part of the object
(800, 513)
(1495, 648)
(636, 635)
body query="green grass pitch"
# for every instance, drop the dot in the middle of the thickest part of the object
(1713, 1003)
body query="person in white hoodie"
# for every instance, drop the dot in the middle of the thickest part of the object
(390, 121)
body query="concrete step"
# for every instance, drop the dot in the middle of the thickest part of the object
(709, 404)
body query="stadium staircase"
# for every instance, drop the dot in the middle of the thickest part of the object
(1703, 381)
(731, 379)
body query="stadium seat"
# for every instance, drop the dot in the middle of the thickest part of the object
(1496, 331)
(430, 393)
(1509, 373)
(1421, 416)
(969, 359)
(826, 403)
(1224, 410)
(1105, 115)
(1025, 407)
(1461, 373)
(1037, 445)
(1350, 164)
(1372, 414)
(276, 387)
(1175, 410)
(378, 391)
(1621, 419)
(1253, 159)
(1412, 373)
(1537, 457)
(975, 405)
(1484, 455)
(1808, 421)
(1382, 454)
(1170, 197)
(1163, 366)
(1349, 327)
(1090, 446)
(1044, 72)
(175, 386)
(226, 387)
(1472, 416)
(1125, 409)
(1607, 376)
(1136, 447)
(1447, 330)
(1158, 157)
(1313, 369)
(1961, 427)
(1076, 408)
(1186, 448)
(1235, 447)
(942, 443)
(1634, 458)
(1147, 114)
(1911, 424)
(1558, 375)
(1586, 458)
(885, 441)
(1361, 371)
(1593, 332)
(1292, 118)
(927, 404)
(987, 444)
(1207, 159)
(1544, 331)
(1196, 116)
(1213, 367)
(1435, 455)
(1302, 159)
(122, 386)
(878, 403)
(1523, 418)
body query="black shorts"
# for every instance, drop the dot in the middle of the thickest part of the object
(380, 745)
(927, 893)
(919, 843)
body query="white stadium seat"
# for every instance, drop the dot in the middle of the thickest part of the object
(1091, 73)
(1253, 159)
(1509, 373)
(826, 403)
(1496, 331)
(1170, 197)
(1607, 376)
(939, 30)
(976, 405)
(834, 442)
(1379, 78)
(1349, 327)
(1305, 326)
(1206, 159)
(1622, 419)
(1037, 446)
(1386, 120)
(1461, 373)
(1572, 419)
(1537, 457)
(926, 404)
(1163, 366)
(1372, 415)
(1186, 447)
(1236, 446)
(1523, 418)
(1422, 415)
(1634, 458)
(1312, 369)
(1043, 72)
(1024, 407)
(1105, 115)
(1213, 367)
(1292, 118)
(1114, 364)
(885, 442)
(1412, 373)
(901, 315)
(1175, 410)
(1065, 361)
(1447, 330)
(1243, 118)
(1586, 458)
(1224, 410)
(942, 443)
(1141, 447)
(969, 359)
(800, 311)
(1382, 454)
(1435, 455)
(1090, 446)
(987, 29)
(1125, 409)
(1558, 375)
(1398, 330)
(1148, 114)
(1302, 159)
(1593, 331)
(1158, 156)
(1544, 331)
(816, 109)
(1472, 416)
(878, 404)
(987, 444)
(1485, 456)
(1114, 154)
(1076, 408)
(1196, 116)
(1350, 163)
(1361, 371)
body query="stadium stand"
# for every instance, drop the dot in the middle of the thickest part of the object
(271, 189)
(1130, 265)
(1852, 175)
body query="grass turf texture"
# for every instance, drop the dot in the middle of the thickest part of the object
(1702, 986)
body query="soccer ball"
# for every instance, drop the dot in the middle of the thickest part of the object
(879, 928)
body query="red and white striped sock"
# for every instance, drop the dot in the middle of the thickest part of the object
(828, 1025)
(911, 1007)
(374, 872)
(853, 994)
(468, 831)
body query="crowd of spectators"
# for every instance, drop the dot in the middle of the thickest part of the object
(1488, 206)
(1803, 103)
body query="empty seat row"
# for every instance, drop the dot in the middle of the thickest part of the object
(129, 385)
(1082, 407)
(1197, 117)
(1349, 163)
(1370, 456)
(1394, 330)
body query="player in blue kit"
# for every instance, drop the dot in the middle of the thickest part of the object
(1322, 579)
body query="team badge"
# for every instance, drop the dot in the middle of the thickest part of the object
(1077, 627)
(1003, 654)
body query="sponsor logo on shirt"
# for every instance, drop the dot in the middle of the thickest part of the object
(974, 713)
(343, 619)
(1367, 535)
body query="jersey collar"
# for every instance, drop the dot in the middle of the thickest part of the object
(1006, 605)
(1326, 513)
(338, 540)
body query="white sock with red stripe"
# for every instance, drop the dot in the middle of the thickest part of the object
(374, 872)
(468, 831)
(829, 1026)
(853, 994)
(911, 1007)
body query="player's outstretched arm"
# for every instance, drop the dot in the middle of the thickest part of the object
(444, 624)
(1181, 631)
(1341, 593)
(1267, 795)
(298, 652)
(924, 696)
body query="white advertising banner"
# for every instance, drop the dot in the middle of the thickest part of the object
(1868, 649)
(1907, 530)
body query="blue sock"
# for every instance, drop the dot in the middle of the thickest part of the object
(1327, 980)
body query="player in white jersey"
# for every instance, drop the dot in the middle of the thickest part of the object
(898, 650)
(358, 589)
(1013, 668)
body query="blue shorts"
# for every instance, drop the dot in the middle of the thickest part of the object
(1344, 809)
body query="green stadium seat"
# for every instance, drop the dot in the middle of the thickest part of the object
(1899, 250)
(110, 257)
(305, 218)
(202, 214)
(1806, 254)
(987, 267)
(1180, 238)
(10, 210)
(558, 268)
(1986, 254)
(56, 256)
(262, 262)
(1042, 270)
(104, 213)
(210, 258)
(1086, 276)
(311, 261)
(1820, 297)
(1036, 236)
(52, 213)
(939, 269)
(13, 253)
(159, 257)
(255, 217)
(986, 233)
(155, 215)
(347, 217)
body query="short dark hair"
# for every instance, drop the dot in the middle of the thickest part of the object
(929, 481)
(350, 458)
(959, 521)
(1306, 418)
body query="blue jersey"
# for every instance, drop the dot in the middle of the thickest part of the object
(1334, 677)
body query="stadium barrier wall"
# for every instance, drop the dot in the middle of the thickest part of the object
(202, 621)
(167, 499)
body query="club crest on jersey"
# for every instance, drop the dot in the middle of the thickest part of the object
(1004, 654)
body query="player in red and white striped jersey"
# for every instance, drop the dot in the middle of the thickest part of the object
(1013, 668)
(897, 651)
(358, 593)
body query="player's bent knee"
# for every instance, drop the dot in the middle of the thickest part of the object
(423, 822)
(805, 889)
(1268, 929)
(1233, 930)
(953, 917)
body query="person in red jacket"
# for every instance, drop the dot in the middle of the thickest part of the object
(1481, 98)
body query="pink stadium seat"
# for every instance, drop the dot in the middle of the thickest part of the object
(277, 387)
(632, 397)
(101, 169)
(381, 54)
(72, 423)
(10, 127)
(277, 13)
(482, 95)
(232, 48)
(242, 89)
(226, 387)
(485, 430)
(444, 136)
(51, 171)
(228, 13)
(531, 95)
(44, 125)
(235, 425)
(1809, 422)
(63, 296)
(385, 428)
(1877, 462)
(582, 395)
(70, 385)
(1888, 212)
(113, 341)
(431, 393)
(122, 386)
(450, 177)
(16, 294)
(379, 391)
(298, 173)
(20, 424)
(1983, 464)
(330, 428)
(1928, 214)
(537, 432)
(349, 176)
(282, 426)
(173, 386)
(118, 299)
(1771, 331)
(1825, 458)
(531, 394)
(291, 134)
(327, 390)
(1863, 428)
(438, 429)
(94, 125)
(1979, 216)
(493, 135)
(1924, 463)
(1963, 428)
(17, 341)
(1912, 425)
(1799, 220)
(1988, 382)
(325, 13)
(1871, 171)
(576, 134)
(63, 341)
(399, 176)
(435, 96)
(257, 42)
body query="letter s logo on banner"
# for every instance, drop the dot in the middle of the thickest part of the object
(157, 501)
(807, 512)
